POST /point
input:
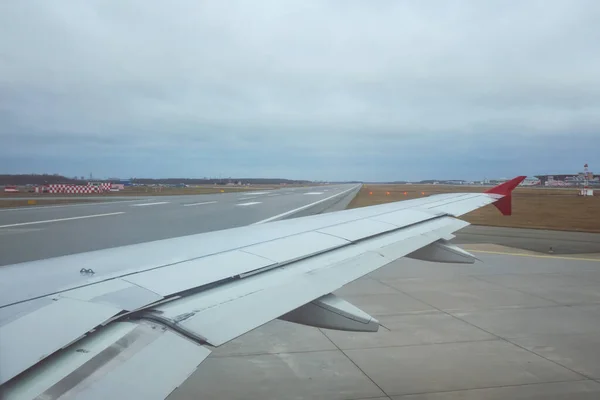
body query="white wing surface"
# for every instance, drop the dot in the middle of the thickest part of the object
(135, 322)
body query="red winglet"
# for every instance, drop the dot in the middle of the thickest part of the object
(505, 189)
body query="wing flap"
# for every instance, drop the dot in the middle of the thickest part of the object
(121, 360)
(404, 218)
(37, 334)
(227, 311)
(294, 247)
(195, 273)
(357, 230)
(115, 292)
(227, 320)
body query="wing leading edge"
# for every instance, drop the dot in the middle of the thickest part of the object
(179, 307)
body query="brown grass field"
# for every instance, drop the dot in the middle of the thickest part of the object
(174, 191)
(557, 209)
(35, 202)
(150, 191)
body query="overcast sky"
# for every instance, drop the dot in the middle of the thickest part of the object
(325, 90)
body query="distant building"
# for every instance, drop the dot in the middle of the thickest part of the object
(568, 179)
(531, 182)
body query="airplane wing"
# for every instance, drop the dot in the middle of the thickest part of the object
(136, 321)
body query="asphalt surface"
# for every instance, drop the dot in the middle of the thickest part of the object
(34, 233)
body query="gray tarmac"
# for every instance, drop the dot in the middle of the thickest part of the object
(510, 327)
(542, 241)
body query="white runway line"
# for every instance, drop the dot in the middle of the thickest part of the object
(43, 207)
(313, 193)
(303, 207)
(248, 198)
(273, 195)
(249, 204)
(150, 204)
(62, 219)
(199, 204)
(253, 193)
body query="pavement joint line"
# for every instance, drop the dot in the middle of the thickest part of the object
(354, 363)
(199, 204)
(303, 207)
(61, 219)
(481, 279)
(498, 336)
(150, 204)
(504, 308)
(494, 339)
(495, 387)
(534, 255)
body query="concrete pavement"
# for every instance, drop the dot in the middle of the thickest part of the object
(537, 240)
(35, 233)
(512, 327)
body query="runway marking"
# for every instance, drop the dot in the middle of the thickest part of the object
(313, 193)
(303, 207)
(199, 204)
(249, 204)
(42, 207)
(62, 219)
(248, 198)
(253, 193)
(273, 195)
(150, 204)
(534, 255)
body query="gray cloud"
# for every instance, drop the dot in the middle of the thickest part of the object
(321, 90)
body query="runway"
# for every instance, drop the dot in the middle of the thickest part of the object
(34, 233)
